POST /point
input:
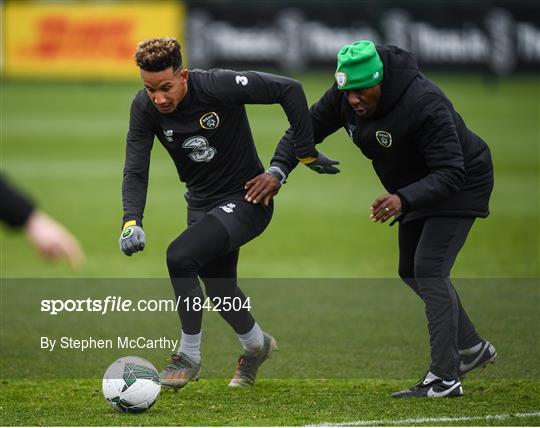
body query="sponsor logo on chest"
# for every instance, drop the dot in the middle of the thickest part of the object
(200, 149)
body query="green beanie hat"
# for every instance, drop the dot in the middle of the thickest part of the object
(358, 66)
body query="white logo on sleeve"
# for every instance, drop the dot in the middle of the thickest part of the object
(241, 80)
(201, 150)
(229, 208)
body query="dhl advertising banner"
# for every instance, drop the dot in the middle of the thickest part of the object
(82, 40)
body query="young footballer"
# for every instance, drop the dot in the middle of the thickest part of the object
(199, 117)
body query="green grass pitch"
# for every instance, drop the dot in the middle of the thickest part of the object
(346, 340)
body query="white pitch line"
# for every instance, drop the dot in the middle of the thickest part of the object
(428, 420)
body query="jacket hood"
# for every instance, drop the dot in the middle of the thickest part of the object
(399, 70)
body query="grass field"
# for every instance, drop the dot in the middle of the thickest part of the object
(348, 337)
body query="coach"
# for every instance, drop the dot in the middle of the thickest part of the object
(439, 177)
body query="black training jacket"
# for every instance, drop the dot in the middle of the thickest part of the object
(208, 136)
(419, 145)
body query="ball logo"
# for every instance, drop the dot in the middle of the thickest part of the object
(341, 78)
(209, 120)
(131, 385)
(132, 372)
(384, 138)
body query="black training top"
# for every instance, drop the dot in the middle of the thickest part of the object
(208, 136)
(15, 208)
(419, 145)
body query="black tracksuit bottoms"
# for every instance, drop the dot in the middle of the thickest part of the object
(209, 249)
(427, 251)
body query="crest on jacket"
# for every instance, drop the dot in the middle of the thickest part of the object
(384, 138)
(209, 120)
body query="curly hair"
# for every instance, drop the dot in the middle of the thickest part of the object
(158, 54)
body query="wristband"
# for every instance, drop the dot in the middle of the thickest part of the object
(278, 173)
(129, 223)
(307, 160)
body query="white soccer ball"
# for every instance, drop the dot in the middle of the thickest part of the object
(131, 385)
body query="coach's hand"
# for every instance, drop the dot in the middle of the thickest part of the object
(384, 207)
(132, 240)
(262, 188)
(321, 164)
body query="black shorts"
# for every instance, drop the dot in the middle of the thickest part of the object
(243, 220)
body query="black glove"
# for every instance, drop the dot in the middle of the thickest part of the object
(321, 164)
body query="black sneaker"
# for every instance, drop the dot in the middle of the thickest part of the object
(478, 356)
(432, 386)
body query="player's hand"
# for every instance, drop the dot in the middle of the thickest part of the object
(132, 239)
(322, 164)
(384, 207)
(262, 188)
(52, 240)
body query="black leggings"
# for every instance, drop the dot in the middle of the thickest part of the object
(427, 251)
(209, 248)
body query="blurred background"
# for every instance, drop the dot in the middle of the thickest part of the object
(68, 79)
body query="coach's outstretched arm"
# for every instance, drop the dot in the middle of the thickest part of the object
(324, 119)
(250, 87)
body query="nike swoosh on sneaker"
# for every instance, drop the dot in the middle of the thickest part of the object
(463, 368)
(430, 378)
(432, 393)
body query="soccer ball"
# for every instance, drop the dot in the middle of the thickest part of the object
(131, 385)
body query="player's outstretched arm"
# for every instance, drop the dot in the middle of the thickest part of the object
(135, 181)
